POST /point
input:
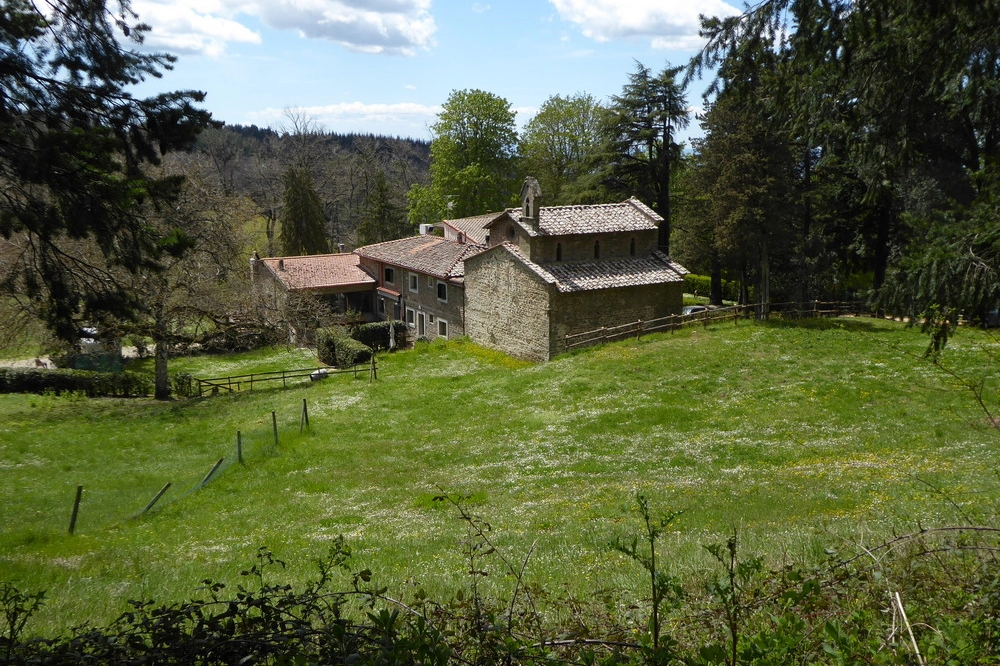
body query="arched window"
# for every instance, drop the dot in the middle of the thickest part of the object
(558, 251)
(597, 249)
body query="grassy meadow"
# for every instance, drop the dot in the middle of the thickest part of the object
(805, 437)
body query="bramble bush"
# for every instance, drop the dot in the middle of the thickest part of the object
(932, 596)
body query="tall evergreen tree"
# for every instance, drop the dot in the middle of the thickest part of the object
(641, 154)
(381, 219)
(303, 226)
(74, 146)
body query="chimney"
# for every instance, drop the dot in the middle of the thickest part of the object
(340, 248)
(281, 264)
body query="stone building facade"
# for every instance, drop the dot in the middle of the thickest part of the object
(549, 272)
(420, 281)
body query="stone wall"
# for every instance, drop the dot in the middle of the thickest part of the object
(582, 311)
(426, 300)
(507, 306)
(581, 248)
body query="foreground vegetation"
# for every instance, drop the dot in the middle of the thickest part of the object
(810, 441)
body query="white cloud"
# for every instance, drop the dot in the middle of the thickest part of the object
(358, 114)
(668, 24)
(399, 27)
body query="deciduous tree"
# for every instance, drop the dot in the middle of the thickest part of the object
(474, 163)
(558, 146)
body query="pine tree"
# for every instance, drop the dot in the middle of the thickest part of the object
(303, 225)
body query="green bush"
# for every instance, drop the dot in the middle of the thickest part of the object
(376, 334)
(335, 347)
(93, 384)
(702, 285)
(351, 352)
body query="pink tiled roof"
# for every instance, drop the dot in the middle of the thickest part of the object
(658, 268)
(631, 215)
(319, 271)
(474, 227)
(431, 255)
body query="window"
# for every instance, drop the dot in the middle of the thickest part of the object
(442, 328)
(597, 249)
(558, 251)
(442, 292)
(411, 317)
(430, 282)
(631, 247)
(414, 278)
(389, 275)
(381, 306)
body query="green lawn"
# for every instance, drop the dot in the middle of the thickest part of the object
(803, 436)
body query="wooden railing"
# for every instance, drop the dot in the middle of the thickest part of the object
(237, 383)
(733, 313)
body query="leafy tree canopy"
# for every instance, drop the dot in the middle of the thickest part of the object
(474, 162)
(73, 146)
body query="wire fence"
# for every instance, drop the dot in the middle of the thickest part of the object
(107, 502)
(733, 314)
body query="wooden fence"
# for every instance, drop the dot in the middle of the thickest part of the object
(733, 313)
(237, 383)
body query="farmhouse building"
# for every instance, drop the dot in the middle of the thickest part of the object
(420, 281)
(337, 278)
(520, 281)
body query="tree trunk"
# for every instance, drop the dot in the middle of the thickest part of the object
(161, 381)
(715, 298)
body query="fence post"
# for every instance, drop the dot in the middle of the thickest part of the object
(304, 421)
(76, 509)
(374, 372)
(155, 499)
(209, 475)
(638, 330)
(239, 447)
(274, 425)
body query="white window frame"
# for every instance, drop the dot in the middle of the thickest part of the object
(411, 317)
(414, 282)
(440, 323)
(445, 285)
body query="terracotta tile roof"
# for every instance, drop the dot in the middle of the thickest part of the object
(431, 255)
(606, 274)
(319, 271)
(631, 215)
(474, 227)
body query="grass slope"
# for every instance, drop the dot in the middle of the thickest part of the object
(803, 436)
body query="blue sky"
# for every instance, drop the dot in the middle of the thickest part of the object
(386, 66)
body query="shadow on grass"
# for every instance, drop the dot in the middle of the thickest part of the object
(857, 325)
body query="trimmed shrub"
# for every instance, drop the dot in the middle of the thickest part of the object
(351, 352)
(376, 334)
(93, 384)
(335, 347)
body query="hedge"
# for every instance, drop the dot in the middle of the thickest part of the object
(335, 347)
(702, 285)
(376, 334)
(93, 384)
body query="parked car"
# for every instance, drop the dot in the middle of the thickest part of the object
(693, 309)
